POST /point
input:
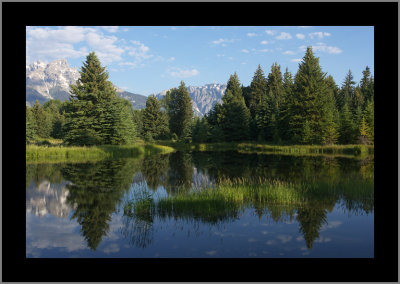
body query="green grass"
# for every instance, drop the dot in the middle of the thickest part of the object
(250, 147)
(230, 196)
(93, 153)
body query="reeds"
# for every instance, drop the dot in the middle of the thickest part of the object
(61, 153)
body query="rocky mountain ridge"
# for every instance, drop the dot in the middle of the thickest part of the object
(203, 98)
(51, 81)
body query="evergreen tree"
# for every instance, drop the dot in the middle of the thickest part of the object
(201, 130)
(283, 122)
(30, 126)
(258, 89)
(370, 121)
(364, 132)
(154, 119)
(308, 98)
(95, 115)
(235, 115)
(367, 86)
(214, 120)
(42, 121)
(137, 121)
(346, 92)
(179, 108)
(347, 128)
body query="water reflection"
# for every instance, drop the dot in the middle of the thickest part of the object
(90, 193)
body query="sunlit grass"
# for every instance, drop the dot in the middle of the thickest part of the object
(61, 153)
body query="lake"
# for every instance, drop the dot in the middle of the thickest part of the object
(202, 205)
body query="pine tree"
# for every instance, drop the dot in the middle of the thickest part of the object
(258, 89)
(347, 128)
(367, 86)
(30, 126)
(154, 120)
(42, 121)
(234, 113)
(346, 93)
(179, 108)
(275, 99)
(95, 115)
(283, 122)
(370, 121)
(307, 103)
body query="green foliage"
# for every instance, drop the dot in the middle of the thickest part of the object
(347, 127)
(233, 117)
(179, 109)
(95, 115)
(30, 131)
(154, 120)
(258, 89)
(370, 121)
(307, 103)
(42, 121)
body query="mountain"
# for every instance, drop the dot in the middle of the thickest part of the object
(203, 98)
(51, 81)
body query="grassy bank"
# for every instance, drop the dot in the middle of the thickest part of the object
(62, 153)
(355, 150)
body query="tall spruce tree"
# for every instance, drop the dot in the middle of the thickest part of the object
(235, 115)
(367, 86)
(258, 89)
(283, 122)
(308, 100)
(346, 93)
(95, 114)
(154, 120)
(179, 108)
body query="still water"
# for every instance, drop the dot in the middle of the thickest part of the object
(139, 208)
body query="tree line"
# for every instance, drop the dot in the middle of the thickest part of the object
(307, 108)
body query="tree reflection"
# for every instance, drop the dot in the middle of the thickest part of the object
(95, 191)
(155, 170)
(180, 172)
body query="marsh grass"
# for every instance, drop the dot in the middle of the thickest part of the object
(229, 197)
(61, 153)
(351, 150)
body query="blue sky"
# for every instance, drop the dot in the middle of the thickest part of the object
(147, 60)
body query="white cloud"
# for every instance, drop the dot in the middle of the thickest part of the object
(325, 48)
(270, 32)
(245, 51)
(296, 60)
(265, 50)
(138, 50)
(284, 35)
(288, 52)
(179, 73)
(304, 27)
(300, 36)
(318, 35)
(110, 29)
(264, 42)
(223, 41)
(251, 34)
(49, 44)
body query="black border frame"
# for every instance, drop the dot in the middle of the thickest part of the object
(383, 16)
